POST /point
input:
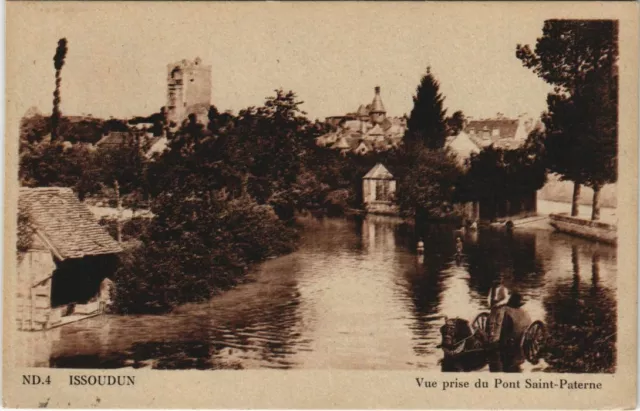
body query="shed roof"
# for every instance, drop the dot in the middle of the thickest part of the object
(378, 172)
(68, 227)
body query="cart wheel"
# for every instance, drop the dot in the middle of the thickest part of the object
(480, 323)
(533, 341)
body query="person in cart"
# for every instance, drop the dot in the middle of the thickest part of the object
(498, 299)
(506, 355)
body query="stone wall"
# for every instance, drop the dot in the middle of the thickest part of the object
(594, 230)
(188, 90)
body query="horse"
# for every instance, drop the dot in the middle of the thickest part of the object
(464, 348)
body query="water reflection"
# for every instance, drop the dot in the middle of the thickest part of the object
(356, 295)
(582, 316)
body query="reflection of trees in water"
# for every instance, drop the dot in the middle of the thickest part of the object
(499, 254)
(425, 284)
(344, 230)
(380, 235)
(582, 322)
(405, 236)
(264, 329)
(256, 324)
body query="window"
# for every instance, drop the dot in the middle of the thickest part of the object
(495, 132)
(472, 131)
(382, 190)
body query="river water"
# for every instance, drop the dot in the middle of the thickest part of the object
(357, 296)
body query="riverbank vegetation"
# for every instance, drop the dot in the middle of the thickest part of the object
(223, 197)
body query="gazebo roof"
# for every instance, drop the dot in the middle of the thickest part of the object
(378, 172)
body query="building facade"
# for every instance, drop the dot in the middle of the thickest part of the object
(503, 133)
(365, 130)
(379, 190)
(188, 90)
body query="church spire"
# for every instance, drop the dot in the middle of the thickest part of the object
(378, 113)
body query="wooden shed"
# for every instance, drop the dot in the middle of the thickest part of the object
(63, 257)
(378, 191)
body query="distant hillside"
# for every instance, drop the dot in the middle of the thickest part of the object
(72, 128)
(556, 190)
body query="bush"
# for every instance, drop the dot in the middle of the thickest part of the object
(337, 201)
(426, 189)
(132, 229)
(207, 247)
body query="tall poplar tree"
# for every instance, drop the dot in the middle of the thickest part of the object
(58, 62)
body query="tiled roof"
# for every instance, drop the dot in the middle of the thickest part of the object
(386, 124)
(362, 111)
(354, 142)
(66, 224)
(341, 143)
(376, 131)
(118, 138)
(506, 128)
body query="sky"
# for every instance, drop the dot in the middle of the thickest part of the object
(332, 55)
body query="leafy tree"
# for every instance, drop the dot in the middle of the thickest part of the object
(123, 166)
(274, 140)
(579, 57)
(57, 164)
(25, 232)
(58, 62)
(114, 124)
(427, 123)
(159, 121)
(426, 189)
(76, 129)
(222, 195)
(455, 123)
(496, 176)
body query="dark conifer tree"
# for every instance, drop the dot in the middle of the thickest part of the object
(427, 123)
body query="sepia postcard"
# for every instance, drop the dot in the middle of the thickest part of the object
(333, 205)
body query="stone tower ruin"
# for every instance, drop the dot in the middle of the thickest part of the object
(188, 90)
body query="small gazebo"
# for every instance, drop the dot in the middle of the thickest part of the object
(378, 191)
